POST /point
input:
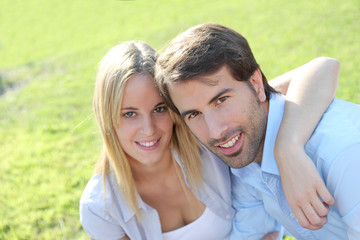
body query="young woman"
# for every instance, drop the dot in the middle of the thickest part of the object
(153, 180)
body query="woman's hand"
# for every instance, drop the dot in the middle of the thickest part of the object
(311, 88)
(303, 186)
(271, 236)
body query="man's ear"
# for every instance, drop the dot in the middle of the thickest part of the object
(257, 83)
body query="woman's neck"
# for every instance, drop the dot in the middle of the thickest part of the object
(146, 172)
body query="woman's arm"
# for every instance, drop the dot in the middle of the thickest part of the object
(309, 90)
(126, 238)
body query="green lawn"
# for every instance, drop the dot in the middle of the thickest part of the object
(49, 51)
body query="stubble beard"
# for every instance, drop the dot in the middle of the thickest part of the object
(253, 140)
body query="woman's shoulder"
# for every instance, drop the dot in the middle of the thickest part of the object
(209, 158)
(99, 194)
(93, 194)
(216, 175)
(99, 215)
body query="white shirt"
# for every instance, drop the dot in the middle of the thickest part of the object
(206, 227)
(111, 219)
(334, 147)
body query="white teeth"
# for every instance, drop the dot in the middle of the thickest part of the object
(148, 144)
(231, 142)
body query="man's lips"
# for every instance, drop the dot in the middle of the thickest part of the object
(230, 142)
(232, 145)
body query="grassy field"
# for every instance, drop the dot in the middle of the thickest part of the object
(49, 51)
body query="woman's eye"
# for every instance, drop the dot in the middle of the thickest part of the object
(221, 100)
(160, 109)
(129, 114)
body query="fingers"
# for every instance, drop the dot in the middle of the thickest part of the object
(303, 220)
(321, 209)
(314, 220)
(271, 236)
(312, 214)
(310, 199)
(308, 218)
(325, 195)
(315, 214)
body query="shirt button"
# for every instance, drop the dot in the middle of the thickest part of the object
(227, 216)
(292, 215)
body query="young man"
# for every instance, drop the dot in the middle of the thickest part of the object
(210, 77)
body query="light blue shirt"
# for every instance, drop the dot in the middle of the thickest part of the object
(334, 148)
(110, 218)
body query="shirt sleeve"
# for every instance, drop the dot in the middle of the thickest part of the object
(98, 224)
(343, 182)
(251, 221)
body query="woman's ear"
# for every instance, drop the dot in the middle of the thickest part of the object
(257, 83)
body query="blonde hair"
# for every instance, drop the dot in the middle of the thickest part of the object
(115, 70)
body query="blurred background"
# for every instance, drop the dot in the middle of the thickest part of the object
(49, 51)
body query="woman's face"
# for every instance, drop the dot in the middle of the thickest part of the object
(145, 126)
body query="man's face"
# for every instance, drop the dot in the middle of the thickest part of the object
(228, 116)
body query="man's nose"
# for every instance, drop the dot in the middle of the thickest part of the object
(217, 125)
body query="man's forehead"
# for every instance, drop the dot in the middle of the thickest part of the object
(198, 80)
(197, 83)
(192, 95)
(207, 80)
(213, 78)
(183, 92)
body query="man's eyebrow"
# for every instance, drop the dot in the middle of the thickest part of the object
(223, 91)
(159, 104)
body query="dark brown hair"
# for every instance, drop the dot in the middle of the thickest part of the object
(202, 50)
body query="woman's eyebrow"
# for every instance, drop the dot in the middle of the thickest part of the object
(128, 108)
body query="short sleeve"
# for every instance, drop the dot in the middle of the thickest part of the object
(98, 224)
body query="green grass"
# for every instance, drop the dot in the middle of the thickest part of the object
(49, 51)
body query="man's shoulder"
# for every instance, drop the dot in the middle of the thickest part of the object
(341, 119)
(343, 110)
(338, 129)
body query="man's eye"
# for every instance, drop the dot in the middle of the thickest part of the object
(129, 114)
(193, 115)
(221, 100)
(160, 109)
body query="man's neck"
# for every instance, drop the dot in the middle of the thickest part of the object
(259, 155)
(258, 158)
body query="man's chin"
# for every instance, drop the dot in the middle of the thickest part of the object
(233, 160)
(237, 165)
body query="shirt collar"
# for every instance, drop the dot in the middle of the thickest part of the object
(127, 212)
(275, 115)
